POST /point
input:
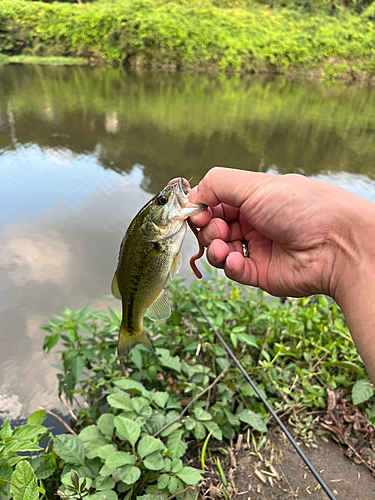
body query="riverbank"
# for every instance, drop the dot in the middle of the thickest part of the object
(250, 38)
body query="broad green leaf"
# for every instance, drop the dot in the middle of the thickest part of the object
(120, 400)
(6, 430)
(189, 475)
(89, 433)
(175, 485)
(24, 483)
(93, 446)
(70, 478)
(171, 428)
(141, 405)
(163, 481)
(148, 445)
(106, 451)
(202, 414)
(154, 461)
(167, 360)
(129, 474)
(160, 398)
(254, 420)
(106, 424)
(362, 391)
(127, 429)
(175, 444)
(136, 357)
(199, 431)
(132, 386)
(46, 469)
(232, 419)
(190, 424)
(119, 459)
(104, 483)
(176, 465)
(214, 429)
(103, 495)
(70, 448)
(77, 366)
(20, 446)
(248, 339)
(5, 473)
(348, 365)
(29, 431)
(37, 417)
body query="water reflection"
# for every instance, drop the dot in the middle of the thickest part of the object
(81, 150)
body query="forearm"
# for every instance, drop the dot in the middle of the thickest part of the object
(355, 286)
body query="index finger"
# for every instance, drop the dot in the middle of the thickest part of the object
(226, 185)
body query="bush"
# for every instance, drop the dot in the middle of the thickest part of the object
(187, 35)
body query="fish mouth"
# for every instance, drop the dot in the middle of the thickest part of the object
(181, 203)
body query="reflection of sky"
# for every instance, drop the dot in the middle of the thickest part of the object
(355, 183)
(33, 180)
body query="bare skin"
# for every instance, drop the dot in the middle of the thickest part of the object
(303, 237)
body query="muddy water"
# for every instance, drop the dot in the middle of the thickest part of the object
(81, 150)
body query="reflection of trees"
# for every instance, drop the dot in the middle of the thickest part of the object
(184, 124)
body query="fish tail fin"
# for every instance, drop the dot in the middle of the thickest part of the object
(129, 338)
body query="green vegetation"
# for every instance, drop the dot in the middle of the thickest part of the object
(234, 36)
(45, 61)
(136, 421)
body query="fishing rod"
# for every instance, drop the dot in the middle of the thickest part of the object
(267, 405)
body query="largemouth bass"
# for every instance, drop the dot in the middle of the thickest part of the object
(149, 253)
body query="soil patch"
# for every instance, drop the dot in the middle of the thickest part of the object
(278, 473)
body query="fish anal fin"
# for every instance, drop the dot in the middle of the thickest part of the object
(115, 288)
(176, 265)
(160, 309)
(128, 339)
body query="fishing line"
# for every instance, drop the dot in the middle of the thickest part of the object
(266, 404)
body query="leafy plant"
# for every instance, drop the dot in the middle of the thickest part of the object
(136, 419)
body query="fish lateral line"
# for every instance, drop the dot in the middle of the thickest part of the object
(198, 255)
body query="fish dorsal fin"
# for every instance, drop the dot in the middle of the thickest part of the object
(115, 288)
(160, 309)
(176, 265)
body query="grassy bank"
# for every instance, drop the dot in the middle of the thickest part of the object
(188, 35)
(45, 61)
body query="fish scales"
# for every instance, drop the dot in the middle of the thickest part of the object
(149, 253)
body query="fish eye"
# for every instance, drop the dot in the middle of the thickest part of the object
(162, 199)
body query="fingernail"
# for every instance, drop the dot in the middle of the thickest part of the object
(193, 193)
(228, 263)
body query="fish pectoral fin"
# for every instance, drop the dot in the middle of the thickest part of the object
(128, 339)
(115, 288)
(160, 309)
(152, 255)
(176, 265)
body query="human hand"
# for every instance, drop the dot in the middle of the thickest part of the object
(292, 227)
(303, 237)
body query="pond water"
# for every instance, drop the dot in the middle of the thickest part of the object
(81, 150)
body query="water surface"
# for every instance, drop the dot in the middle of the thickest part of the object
(81, 150)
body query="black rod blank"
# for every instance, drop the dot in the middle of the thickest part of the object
(267, 405)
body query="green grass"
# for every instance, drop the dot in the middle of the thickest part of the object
(45, 61)
(240, 37)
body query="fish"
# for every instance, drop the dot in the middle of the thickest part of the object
(149, 254)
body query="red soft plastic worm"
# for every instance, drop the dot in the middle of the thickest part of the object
(197, 256)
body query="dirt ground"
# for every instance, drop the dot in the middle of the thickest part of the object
(278, 473)
(289, 478)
